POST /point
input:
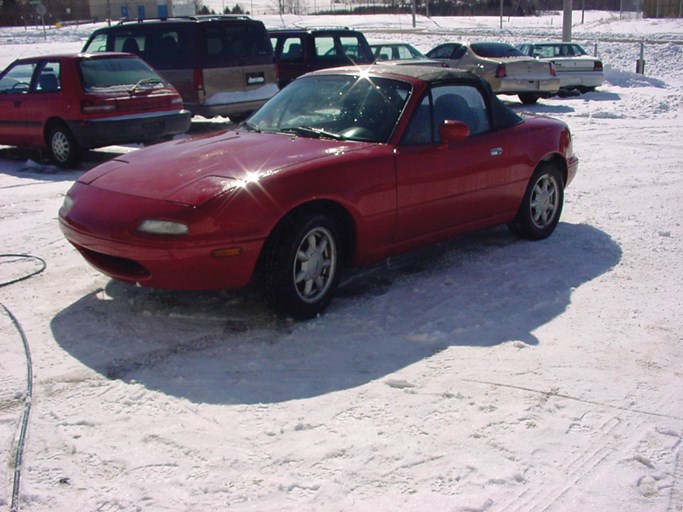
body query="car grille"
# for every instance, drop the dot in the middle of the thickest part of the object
(114, 265)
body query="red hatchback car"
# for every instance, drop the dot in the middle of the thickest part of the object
(343, 167)
(68, 103)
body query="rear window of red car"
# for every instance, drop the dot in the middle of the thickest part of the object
(117, 72)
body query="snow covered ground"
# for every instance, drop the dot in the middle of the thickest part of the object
(488, 374)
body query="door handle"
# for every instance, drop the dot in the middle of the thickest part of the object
(17, 103)
(496, 151)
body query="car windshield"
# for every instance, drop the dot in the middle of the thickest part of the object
(128, 73)
(495, 50)
(340, 107)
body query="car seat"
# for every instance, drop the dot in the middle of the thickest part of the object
(130, 45)
(48, 83)
(294, 52)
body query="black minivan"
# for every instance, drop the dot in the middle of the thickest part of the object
(221, 65)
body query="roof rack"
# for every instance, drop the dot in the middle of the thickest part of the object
(197, 17)
(332, 27)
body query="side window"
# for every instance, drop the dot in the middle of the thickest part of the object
(460, 103)
(419, 130)
(545, 52)
(48, 78)
(383, 53)
(98, 43)
(17, 79)
(128, 43)
(403, 53)
(350, 46)
(163, 49)
(459, 53)
(578, 50)
(442, 52)
(292, 50)
(324, 48)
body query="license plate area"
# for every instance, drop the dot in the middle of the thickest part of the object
(255, 79)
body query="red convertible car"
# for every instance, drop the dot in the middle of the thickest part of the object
(341, 168)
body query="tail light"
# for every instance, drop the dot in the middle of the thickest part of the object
(553, 71)
(597, 65)
(95, 106)
(501, 71)
(198, 79)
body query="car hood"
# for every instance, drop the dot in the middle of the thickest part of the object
(195, 169)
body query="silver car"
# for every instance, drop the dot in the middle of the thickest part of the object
(504, 67)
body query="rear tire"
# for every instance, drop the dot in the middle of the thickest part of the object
(541, 207)
(528, 98)
(302, 266)
(64, 150)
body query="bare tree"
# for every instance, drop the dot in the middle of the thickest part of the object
(288, 6)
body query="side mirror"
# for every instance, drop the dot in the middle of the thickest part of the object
(453, 131)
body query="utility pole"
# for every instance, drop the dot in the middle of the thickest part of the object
(567, 21)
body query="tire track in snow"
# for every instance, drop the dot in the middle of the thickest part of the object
(610, 440)
(676, 500)
(610, 437)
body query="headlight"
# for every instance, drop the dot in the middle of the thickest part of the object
(68, 203)
(163, 227)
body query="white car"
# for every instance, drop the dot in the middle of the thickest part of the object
(575, 68)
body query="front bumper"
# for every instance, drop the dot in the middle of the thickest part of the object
(167, 264)
(572, 169)
(129, 129)
(102, 225)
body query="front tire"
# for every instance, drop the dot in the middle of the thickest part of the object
(64, 150)
(303, 266)
(541, 207)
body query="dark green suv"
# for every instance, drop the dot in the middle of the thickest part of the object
(300, 50)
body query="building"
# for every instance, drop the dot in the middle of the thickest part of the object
(101, 10)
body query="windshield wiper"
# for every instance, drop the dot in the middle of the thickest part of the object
(250, 127)
(147, 83)
(314, 132)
